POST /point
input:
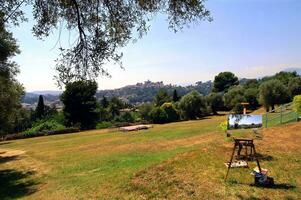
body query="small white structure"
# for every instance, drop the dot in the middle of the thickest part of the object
(135, 128)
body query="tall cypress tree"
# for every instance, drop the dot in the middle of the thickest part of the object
(40, 109)
(175, 96)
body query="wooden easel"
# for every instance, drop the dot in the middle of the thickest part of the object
(240, 143)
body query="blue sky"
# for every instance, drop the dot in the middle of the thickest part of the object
(251, 38)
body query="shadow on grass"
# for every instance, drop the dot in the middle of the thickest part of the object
(281, 186)
(264, 157)
(16, 184)
(8, 159)
(3, 143)
(240, 197)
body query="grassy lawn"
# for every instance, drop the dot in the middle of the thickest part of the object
(183, 160)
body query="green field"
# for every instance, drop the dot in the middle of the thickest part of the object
(183, 160)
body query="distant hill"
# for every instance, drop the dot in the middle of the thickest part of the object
(296, 69)
(47, 92)
(133, 94)
(145, 92)
(32, 98)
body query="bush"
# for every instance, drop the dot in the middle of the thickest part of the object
(171, 112)
(125, 117)
(37, 134)
(44, 126)
(158, 115)
(145, 110)
(297, 104)
(104, 124)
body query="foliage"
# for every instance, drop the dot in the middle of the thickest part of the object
(251, 96)
(145, 92)
(44, 126)
(23, 120)
(234, 97)
(192, 106)
(175, 96)
(104, 102)
(297, 104)
(80, 105)
(125, 117)
(11, 91)
(145, 110)
(161, 97)
(294, 86)
(283, 77)
(114, 107)
(102, 27)
(223, 81)
(171, 112)
(103, 125)
(158, 115)
(40, 109)
(224, 125)
(216, 102)
(272, 93)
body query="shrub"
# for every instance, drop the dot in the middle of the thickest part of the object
(145, 110)
(37, 134)
(44, 126)
(171, 112)
(297, 104)
(158, 115)
(104, 124)
(224, 126)
(125, 117)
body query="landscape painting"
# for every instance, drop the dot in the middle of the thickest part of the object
(239, 121)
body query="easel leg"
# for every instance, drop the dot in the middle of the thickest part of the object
(255, 155)
(229, 165)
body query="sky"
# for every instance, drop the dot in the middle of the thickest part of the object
(251, 38)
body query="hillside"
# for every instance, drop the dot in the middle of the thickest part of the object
(145, 92)
(134, 94)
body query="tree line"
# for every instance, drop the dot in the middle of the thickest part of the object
(84, 111)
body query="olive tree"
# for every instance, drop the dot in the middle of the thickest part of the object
(101, 26)
(273, 92)
(192, 105)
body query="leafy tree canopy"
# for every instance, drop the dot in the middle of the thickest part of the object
(80, 104)
(215, 101)
(294, 86)
(234, 97)
(224, 80)
(273, 92)
(102, 27)
(11, 91)
(162, 97)
(192, 105)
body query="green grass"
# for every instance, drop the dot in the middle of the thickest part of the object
(275, 119)
(178, 160)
